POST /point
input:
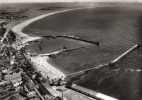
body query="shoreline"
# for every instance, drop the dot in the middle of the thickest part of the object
(25, 37)
(41, 63)
(38, 60)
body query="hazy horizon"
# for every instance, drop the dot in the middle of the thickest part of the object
(40, 1)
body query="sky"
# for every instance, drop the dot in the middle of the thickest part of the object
(14, 1)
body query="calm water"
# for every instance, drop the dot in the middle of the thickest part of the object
(116, 28)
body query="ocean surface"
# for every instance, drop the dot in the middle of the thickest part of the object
(116, 28)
